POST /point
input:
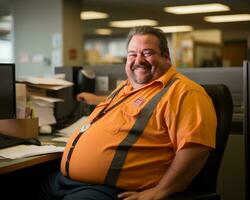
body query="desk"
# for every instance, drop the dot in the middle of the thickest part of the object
(7, 165)
(20, 178)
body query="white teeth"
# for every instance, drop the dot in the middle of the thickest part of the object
(141, 70)
(140, 67)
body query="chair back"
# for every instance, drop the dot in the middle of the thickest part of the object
(206, 180)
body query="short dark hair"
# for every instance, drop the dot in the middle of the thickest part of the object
(144, 30)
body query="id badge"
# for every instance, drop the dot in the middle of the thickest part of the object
(85, 127)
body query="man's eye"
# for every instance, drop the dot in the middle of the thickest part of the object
(131, 55)
(148, 53)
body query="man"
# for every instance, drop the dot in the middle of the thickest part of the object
(114, 156)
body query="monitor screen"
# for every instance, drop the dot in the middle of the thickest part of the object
(7, 91)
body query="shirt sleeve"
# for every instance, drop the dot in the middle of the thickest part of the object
(192, 120)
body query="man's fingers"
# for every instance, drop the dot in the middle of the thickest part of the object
(126, 194)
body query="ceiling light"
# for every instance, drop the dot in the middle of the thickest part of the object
(199, 8)
(172, 29)
(228, 18)
(88, 15)
(133, 23)
(103, 31)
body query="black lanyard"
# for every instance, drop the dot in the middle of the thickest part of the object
(105, 110)
(99, 115)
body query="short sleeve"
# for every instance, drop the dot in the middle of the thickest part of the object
(192, 120)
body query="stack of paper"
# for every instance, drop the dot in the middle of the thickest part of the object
(43, 108)
(46, 83)
(38, 103)
(70, 129)
(65, 133)
(22, 151)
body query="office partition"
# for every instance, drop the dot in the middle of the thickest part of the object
(246, 126)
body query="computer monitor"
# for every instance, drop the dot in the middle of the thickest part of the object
(246, 124)
(7, 91)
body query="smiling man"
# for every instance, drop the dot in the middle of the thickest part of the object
(145, 60)
(147, 140)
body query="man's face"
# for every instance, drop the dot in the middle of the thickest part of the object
(144, 60)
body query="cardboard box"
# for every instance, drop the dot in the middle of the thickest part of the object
(23, 128)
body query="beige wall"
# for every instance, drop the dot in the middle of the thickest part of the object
(45, 34)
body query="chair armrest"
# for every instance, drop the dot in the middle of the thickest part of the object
(195, 196)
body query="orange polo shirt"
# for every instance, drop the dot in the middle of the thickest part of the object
(184, 115)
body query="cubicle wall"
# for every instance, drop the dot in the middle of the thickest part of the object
(246, 100)
(230, 76)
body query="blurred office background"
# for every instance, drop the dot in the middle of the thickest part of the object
(40, 36)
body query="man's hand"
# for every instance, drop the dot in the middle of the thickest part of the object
(150, 194)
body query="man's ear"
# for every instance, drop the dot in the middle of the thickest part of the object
(168, 59)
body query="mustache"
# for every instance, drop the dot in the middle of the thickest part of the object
(144, 66)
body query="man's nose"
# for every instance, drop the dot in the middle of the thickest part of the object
(140, 58)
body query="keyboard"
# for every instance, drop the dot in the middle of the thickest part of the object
(8, 141)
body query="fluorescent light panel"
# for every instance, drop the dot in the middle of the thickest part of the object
(103, 31)
(199, 8)
(228, 18)
(133, 23)
(172, 29)
(88, 15)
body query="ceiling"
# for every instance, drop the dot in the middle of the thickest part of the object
(152, 9)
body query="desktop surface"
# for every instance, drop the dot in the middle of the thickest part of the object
(8, 165)
(21, 178)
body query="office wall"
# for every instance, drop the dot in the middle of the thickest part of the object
(35, 22)
(46, 34)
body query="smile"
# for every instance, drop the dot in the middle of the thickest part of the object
(142, 67)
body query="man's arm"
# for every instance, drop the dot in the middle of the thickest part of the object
(90, 98)
(185, 166)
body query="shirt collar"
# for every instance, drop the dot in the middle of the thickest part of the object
(165, 78)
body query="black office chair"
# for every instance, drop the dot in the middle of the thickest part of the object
(203, 187)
